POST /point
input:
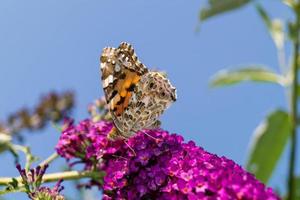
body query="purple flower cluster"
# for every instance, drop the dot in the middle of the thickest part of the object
(157, 165)
(45, 193)
(85, 142)
(32, 181)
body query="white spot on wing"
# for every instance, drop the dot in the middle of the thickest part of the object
(146, 100)
(127, 64)
(108, 80)
(133, 97)
(117, 68)
(102, 65)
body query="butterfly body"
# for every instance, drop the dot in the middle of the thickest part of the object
(136, 95)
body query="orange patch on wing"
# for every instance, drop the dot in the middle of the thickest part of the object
(123, 94)
(120, 108)
(127, 98)
(131, 79)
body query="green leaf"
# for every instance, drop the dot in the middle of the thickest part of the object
(217, 7)
(258, 74)
(298, 92)
(5, 141)
(265, 17)
(290, 3)
(275, 27)
(292, 31)
(297, 187)
(267, 145)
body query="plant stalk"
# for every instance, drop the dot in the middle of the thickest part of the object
(50, 159)
(69, 175)
(28, 155)
(293, 113)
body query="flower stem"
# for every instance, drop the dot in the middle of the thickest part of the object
(48, 160)
(294, 111)
(69, 175)
(26, 150)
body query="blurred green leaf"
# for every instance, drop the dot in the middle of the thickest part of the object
(217, 7)
(297, 187)
(275, 27)
(290, 3)
(298, 91)
(5, 141)
(292, 31)
(267, 145)
(258, 74)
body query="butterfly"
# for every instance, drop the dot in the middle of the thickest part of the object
(136, 96)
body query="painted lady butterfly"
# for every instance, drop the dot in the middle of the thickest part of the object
(135, 95)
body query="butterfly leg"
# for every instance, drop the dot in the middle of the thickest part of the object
(150, 136)
(119, 157)
(113, 134)
(155, 125)
(129, 147)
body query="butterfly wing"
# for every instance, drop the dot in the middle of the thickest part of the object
(152, 96)
(157, 94)
(136, 96)
(121, 72)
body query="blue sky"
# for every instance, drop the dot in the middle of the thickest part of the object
(55, 45)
